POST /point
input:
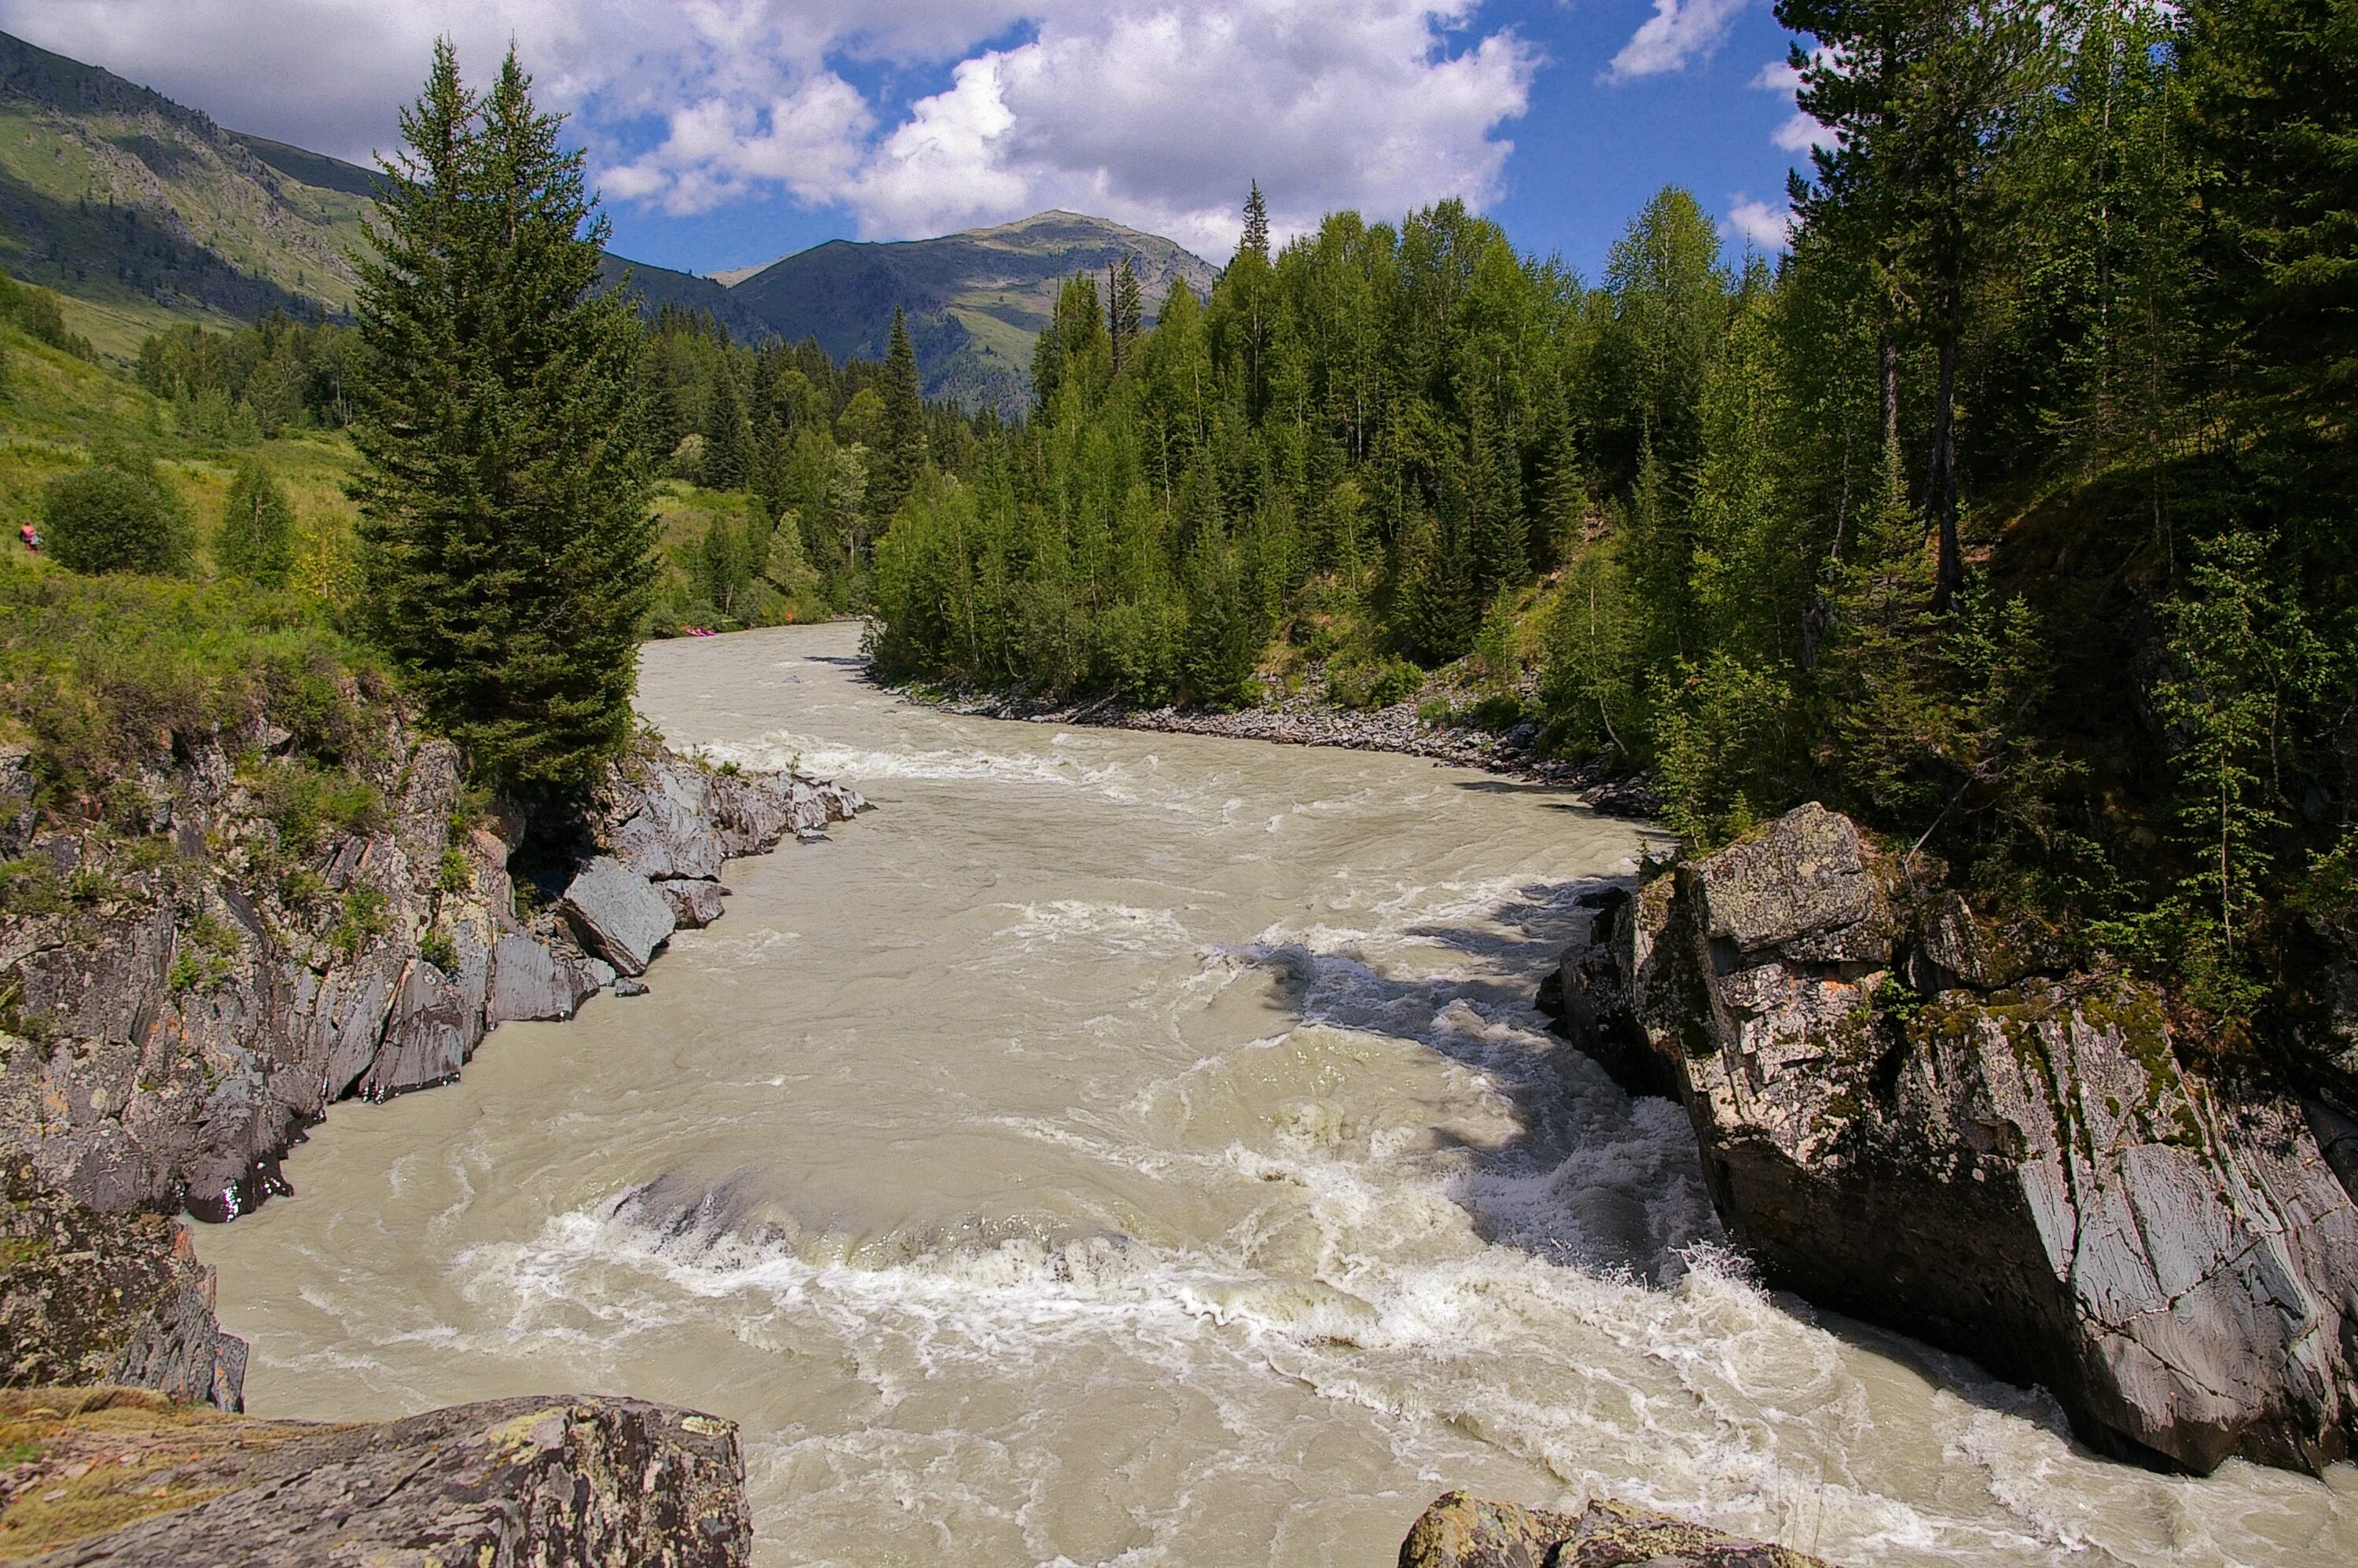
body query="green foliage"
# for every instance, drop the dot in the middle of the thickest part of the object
(1367, 686)
(257, 534)
(206, 958)
(454, 874)
(302, 801)
(34, 312)
(360, 917)
(105, 672)
(437, 948)
(505, 506)
(117, 515)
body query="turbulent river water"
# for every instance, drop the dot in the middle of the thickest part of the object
(1141, 1149)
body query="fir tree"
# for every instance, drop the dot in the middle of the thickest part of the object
(1127, 312)
(1255, 241)
(258, 535)
(508, 537)
(727, 433)
(900, 456)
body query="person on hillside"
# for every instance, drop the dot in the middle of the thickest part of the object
(31, 536)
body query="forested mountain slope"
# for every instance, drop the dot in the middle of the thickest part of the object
(2010, 511)
(975, 300)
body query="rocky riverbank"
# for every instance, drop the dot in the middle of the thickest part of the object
(1464, 1532)
(125, 1477)
(1919, 1117)
(179, 1005)
(1304, 720)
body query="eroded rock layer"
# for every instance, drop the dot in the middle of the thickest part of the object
(124, 1478)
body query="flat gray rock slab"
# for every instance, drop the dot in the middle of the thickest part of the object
(620, 915)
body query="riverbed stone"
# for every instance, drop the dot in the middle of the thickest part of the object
(532, 981)
(618, 914)
(694, 904)
(1460, 1530)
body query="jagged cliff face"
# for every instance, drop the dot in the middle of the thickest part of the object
(1902, 1118)
(196, 997)
(177, 1007)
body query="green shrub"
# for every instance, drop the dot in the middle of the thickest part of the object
(101, 669)
(436, 948)
(116, 516)
(257, 535)
(456, 874)
(362, 917)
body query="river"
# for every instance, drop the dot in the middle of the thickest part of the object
(1142, 1149)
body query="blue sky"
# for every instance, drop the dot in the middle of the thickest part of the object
(729, 131)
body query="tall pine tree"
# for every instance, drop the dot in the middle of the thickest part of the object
(900, 457)
(509, 540)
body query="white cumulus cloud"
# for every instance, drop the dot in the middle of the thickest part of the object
(1796, 132)
(1152, 112)
(1679, 31)
(1758, 225)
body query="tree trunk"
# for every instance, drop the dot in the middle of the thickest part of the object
(1940, 490)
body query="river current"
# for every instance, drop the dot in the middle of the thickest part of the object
(1141, 1149)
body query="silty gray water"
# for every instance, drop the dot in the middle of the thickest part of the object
(1139, 1149)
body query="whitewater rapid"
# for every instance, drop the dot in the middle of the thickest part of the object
(1143, 1150)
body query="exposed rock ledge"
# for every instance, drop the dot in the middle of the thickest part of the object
(1902, 1119)
(1463, 1531)
(178, 1017)
(124, 1477)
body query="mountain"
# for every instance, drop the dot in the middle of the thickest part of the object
(147, 212)
(975, 300)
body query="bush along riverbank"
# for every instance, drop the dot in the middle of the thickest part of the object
(1930, 1121)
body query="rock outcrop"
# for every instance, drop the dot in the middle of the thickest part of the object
(1907, 1115)
(1463, 1531)
(128, 1480)
(176, 1008)
(87, 1297)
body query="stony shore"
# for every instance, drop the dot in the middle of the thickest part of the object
(177, 1008)
(1306, 721)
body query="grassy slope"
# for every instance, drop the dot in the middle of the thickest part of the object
(55, 407)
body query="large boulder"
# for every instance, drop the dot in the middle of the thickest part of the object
(1897, 1122)
(532, 979)
(618, 914)
(1460, 1530)
(547, 1482)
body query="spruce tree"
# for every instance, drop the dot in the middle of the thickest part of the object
(509, 543)
(900, 446)
(1126, 313)
(257, 535)
(727, 433)
(1255, 241)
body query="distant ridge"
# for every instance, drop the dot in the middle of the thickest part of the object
(153, 213)
(975, 300)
